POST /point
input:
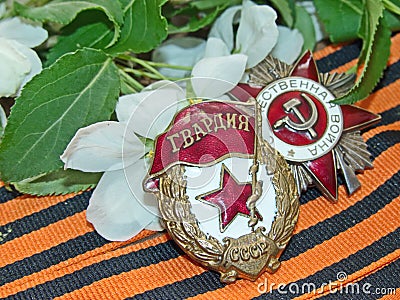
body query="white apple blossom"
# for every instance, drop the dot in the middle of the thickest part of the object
(215, 73)
(118, 208)
(18, 62)
(257, 36)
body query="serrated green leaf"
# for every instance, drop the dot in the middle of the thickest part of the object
(96, 35)
(144, 27)
(207, 4)
(59, 182)
(63, 12)
(341, 18)
(305, 25)
(392, 20)
(376, 37)
(79, 89)
(196, 20)
(392, 6)
(285, 9)
(198, 14)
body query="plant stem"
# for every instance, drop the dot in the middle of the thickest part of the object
(144, 64)
(150, 63)
(391, 7)
(165, 65)
(136, 85)
(126, 88)
(142, 73)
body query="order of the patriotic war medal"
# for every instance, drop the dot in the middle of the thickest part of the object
(316, 136)
(226, 197)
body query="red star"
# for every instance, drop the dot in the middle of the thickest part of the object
(323, 169)
(230, 198)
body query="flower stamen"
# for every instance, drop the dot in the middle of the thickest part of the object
(150, 154)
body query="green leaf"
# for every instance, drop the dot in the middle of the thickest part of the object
(392, 6)
(376, 46)
(285, 9)
(341, 18)
(90, 30)
(196, 19)
(126, 88)
(63, 12)
(208, 4)
(305, 25)
(59, 182)
(392, 20)
(144, 27)
(79, 89)
(196, 14)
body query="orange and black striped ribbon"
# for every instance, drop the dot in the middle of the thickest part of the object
(49, 251)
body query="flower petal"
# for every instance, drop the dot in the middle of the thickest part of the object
(289, 45)
(135, 175)
(223, 26)
(214, 76)
(215, 47)
(184, 51)
(14, 66)
(161, 84)
(257, 33)
(156, 225)
(116, 213)
(3, 120)
(150, 112)
(34, 60)
(26, 34)
(101, 147)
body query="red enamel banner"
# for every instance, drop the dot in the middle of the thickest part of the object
(205, 133)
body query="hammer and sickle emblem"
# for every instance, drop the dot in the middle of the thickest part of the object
(305, 125)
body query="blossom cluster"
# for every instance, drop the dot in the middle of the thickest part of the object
(119, 208)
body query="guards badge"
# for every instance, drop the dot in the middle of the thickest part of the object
(226, 197)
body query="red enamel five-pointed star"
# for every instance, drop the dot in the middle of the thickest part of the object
(230, 198)
(323, 169)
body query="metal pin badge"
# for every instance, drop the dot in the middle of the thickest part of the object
(316, 136)
(227, 198)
